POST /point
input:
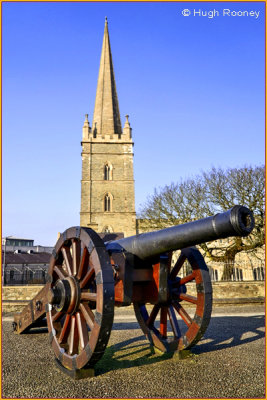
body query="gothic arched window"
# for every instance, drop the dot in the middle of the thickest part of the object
(107, 202)
(107, 172)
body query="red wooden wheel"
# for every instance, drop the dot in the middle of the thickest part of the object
(80, 307)
(176, 329)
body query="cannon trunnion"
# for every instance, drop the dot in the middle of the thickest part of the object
(87, 278)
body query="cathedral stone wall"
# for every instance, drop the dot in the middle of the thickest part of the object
(118, 156)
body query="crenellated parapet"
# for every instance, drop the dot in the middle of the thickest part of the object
(92, 134)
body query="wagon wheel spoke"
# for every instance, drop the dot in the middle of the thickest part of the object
(183, 314)
(188, 278)
(143, 312)
(76, 255)
(84, 261)
(82, 330)
(89, 275)
(174, 322)
(57, 316)
(178, 265)
(88, 296)
(88, 315)
(65, 330)
(188, 298)
(60, 272)
(68, 259)
(151, 319)
(73, 336)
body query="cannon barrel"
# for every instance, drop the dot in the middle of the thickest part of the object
(237, 221)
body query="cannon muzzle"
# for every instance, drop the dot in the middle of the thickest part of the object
(238, 221)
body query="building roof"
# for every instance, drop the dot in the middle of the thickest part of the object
(44, 257)
(17, 238)
(106, 117)
(26, 258)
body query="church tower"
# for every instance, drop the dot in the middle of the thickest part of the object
(107, 186)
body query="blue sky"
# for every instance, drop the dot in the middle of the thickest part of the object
(192, 85)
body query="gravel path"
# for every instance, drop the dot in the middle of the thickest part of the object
(228, 362)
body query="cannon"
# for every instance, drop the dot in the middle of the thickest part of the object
(88, 277)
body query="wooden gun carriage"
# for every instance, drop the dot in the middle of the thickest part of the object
(88, 277)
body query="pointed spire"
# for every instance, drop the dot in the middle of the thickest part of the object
(127, 123)
(86, 122)
(86, 127)
(106, 117)
(127, 130)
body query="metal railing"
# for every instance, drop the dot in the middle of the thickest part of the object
(31, 277)
(12, 278)
(239, 272)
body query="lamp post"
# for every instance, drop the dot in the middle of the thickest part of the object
(4, 263)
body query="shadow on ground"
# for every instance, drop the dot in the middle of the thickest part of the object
(227, 332)
(223, 332)
(127, 354)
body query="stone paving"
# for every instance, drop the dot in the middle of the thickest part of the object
(227, 363)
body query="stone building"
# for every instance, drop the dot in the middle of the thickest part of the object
(23, 262)
(12, 243)
(107, 186)
(22, 267)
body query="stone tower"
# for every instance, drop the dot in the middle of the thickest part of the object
(107, 186)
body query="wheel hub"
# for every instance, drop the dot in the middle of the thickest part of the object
(65, 295)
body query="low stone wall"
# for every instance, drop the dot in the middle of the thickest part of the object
(246, 290)
(20, 292)
(14, 298)
(234, 292)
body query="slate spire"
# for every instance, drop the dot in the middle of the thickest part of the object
(106, 119)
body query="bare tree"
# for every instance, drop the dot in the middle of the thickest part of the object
(207, 194)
